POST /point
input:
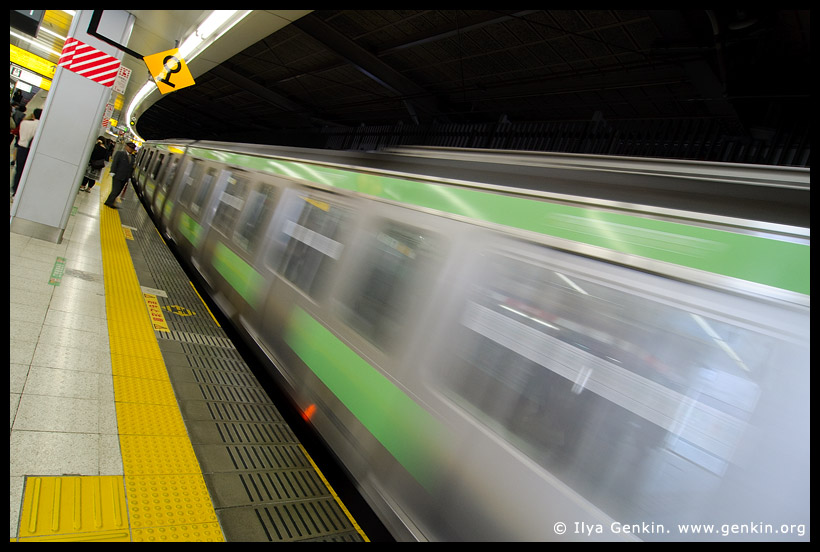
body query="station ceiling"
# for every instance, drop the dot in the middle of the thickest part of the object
(342, 70)
(382, 67)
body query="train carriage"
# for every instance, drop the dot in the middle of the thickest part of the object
(490, 358)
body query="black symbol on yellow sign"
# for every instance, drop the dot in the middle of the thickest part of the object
(179, 311)
(170, 68)
(165, 65)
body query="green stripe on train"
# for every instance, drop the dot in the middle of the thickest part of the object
(190, 228)
(786, 264)
(240, 275)
(410, 433)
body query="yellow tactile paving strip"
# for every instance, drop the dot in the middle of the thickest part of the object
(167, 497)
(162, 496)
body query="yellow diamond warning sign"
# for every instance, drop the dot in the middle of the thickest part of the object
(169, 71)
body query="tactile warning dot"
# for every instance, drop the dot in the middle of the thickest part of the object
(200, 532)
(157, 454)
(165, 500)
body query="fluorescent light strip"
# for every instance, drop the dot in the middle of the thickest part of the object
(52, 33)
(34, 43)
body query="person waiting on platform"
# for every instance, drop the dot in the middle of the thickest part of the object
(28, 127)
(95, 165)
(122, 167)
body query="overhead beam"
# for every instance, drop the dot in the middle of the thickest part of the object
(415, 97)
(675, 30)
(483, 19)
(299, 111)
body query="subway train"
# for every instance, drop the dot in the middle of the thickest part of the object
(518, 346)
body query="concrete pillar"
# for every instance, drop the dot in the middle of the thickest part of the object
(69, 125)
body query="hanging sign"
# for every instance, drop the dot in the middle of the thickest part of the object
(32, 62)
(169, 71)
(121, 82)
(109, 110)
(89, 62)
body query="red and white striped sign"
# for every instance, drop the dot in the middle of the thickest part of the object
(89, 62)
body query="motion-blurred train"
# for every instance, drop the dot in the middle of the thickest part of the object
(512, 346)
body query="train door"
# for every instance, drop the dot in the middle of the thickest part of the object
(193, 210)
(183, 173)
(228, 256)
(164, 180)
(310, 235)
(154, 169)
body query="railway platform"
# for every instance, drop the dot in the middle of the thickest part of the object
(132, 415)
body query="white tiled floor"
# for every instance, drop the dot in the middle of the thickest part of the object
(62, 418)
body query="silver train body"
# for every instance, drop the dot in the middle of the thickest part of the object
(517, 347)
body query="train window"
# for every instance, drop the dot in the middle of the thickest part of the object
(193, 173)
(258, 207)
(231, 203)
(200, 189)
(157, 166)
(313, 236)
(605, 387)
(170, 170)
(388, 282)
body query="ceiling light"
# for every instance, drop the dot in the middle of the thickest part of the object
(217, 24)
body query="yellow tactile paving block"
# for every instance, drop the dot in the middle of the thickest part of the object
(138, 367)
(134, 345)
(137, 389)
(166, 494)
(157, 455)
(131, 330)
(156, 501)
(149, 419)
(71, 508)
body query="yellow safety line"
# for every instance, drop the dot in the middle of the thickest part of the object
(333, 493)
(205, 304)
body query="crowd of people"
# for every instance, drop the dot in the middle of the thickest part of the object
(22, 129)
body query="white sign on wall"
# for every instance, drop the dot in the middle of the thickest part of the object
(122, 79)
